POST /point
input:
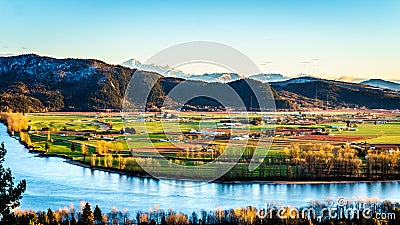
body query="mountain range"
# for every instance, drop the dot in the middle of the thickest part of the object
(166, 70)
(228, 77)
(38, 83)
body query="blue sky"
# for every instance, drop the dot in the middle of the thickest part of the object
(323, 38)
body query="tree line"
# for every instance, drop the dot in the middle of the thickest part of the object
(15, 122)
(379, 212)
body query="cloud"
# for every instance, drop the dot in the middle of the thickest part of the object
(311, 61)
(351, 79)
(24, 48)
(345, 78)
(7, 54)
(266, 63)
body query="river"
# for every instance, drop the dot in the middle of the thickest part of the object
(53, 183)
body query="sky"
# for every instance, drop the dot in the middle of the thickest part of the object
(330, 39)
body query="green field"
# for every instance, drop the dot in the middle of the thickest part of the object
(385, 140)
(389, 129)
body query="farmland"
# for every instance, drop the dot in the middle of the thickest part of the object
(286, 145)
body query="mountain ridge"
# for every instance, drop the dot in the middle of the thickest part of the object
(382, 84)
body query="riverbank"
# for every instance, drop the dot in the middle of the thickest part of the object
(106, 169)
(122, 172)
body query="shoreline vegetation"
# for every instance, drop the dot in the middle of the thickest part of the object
(310, 163)
(77, 163)
(368, 211)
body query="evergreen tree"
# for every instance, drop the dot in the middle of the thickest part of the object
(47, 146)
(73, 147)
(73, 221)
(163, 220)
(51, 218)
(98, 217)
(42, 218)
(87, 217)
(9, 194)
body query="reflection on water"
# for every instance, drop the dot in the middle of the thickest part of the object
(55, 184)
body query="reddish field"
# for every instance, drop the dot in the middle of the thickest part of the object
(334, 138)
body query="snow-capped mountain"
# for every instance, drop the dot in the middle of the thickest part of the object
(164, 70)
(297, 80)
(207, 77)
(216, 77)
(382, 84)
(272, 77)
(132, 63)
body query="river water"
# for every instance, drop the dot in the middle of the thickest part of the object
(53, 183)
